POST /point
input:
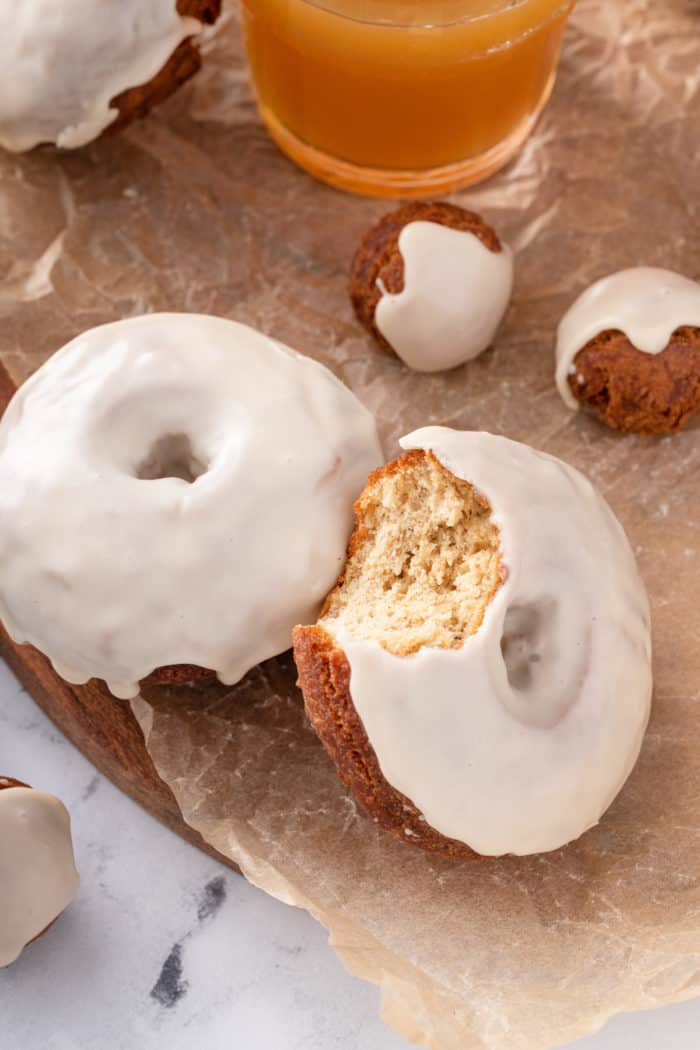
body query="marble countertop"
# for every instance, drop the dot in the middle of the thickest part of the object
(163, 947)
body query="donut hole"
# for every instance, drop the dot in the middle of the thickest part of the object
(546, 652)
(636, 392)
(172, 456)
(526, 632)
(424, 561)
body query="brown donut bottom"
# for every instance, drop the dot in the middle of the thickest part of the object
(171, 674)
(179, 674)
(324, 678)
(10, 782)
(378, 257)
(636, 392)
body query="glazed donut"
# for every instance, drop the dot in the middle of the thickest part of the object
(431, 282)
(481, 672)
(177, 489)
(72, 70)
(38, 879)
(628, 349)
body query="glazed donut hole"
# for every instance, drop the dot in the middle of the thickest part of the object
(97, 66)
(38, 878)
(378, 267)
(431, 282)
(628, 351)
(426, 564)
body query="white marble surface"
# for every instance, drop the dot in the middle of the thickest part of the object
(165, 948)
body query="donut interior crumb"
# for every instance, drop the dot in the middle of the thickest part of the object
(423, 563)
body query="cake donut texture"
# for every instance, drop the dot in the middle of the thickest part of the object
(177, 489)
(432, 282)
(72, 70)
(481, 673)
(629, 350)
(37, 868)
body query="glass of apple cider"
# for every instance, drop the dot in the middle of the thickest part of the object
(402, 97)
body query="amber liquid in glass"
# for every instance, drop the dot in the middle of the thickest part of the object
(403, 107)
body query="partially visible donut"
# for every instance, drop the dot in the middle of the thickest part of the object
(628, 350)
(38, 879)
(431, 282)
(177, 494)
(83, 68)
(480, 675)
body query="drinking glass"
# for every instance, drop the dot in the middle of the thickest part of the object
(402, 97)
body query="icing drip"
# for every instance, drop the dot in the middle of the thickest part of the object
(455, 294)
(644, 303)
(519, 741)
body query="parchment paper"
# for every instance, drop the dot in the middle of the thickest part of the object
(196, 210)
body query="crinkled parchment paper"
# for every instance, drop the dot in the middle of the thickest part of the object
(194, 209)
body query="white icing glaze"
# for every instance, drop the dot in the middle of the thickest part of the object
(64, 61)
(37, 869)
(522, 750)
(644, 303)
(455, 294)
(111, 575)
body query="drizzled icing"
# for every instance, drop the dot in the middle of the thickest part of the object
(455, 294)
(63, 63)
(176, 489)
(644, 303)
(37, 869)
(519, 741)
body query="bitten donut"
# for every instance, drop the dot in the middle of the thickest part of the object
(629, 350)
(38, 879)
(432, 282)
(72, 70)
(481, 673)
(177, 490)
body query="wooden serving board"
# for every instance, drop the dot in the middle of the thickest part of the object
(103, 728)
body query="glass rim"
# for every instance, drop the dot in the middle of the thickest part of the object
(334, 7)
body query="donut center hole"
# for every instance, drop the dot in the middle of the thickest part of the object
(525, 634)
(172, 456)
(546, 654)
